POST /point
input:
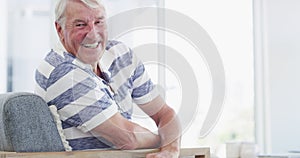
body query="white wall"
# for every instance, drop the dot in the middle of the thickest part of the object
(280, 37)
(29, 40)
(3, 53)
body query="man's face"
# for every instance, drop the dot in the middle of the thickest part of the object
(84, 34)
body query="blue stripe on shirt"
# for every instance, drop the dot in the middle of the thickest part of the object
(122, 92)
(142, 90)
(111, 43)
(127, 114)
(65, 125)
(89, 112)
(69, 57)
(86, 143)
(139, 71)
(41, 80)
(120, 63)
(72, 94)
(54, 59)
(59, 72)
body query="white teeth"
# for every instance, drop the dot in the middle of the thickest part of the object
(93, 45)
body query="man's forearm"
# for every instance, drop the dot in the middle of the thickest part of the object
(170, 130)
(124, 134)
(145, 138)
(168, 124)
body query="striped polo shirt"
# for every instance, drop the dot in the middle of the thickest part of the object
(85, 100)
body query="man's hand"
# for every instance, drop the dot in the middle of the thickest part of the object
(169, 128)
(163, 154)
(169, 151)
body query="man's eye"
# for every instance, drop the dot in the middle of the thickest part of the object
(80, 25)
(100, 22)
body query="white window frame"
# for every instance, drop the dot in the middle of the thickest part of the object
(3, 45)
(261, 80)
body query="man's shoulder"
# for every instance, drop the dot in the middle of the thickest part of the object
(111, 43)
(52, 61)
(116, 47)
(55, 58)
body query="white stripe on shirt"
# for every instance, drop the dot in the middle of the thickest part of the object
(79, 104)
(63, 83)
(100, 118)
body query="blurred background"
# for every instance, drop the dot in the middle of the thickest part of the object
(258, 41)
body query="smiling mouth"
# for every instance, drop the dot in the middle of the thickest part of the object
(91, 45)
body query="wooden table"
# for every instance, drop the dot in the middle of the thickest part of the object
(202, 152)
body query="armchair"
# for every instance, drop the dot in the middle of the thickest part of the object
(26, 124)
(27, 129)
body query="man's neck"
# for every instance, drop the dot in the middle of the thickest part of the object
(97, 71)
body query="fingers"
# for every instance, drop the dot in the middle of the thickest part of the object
(163, 154)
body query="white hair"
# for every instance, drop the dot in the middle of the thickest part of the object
(61, 8)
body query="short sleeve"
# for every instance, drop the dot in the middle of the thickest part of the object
(82, 99)
(144, 90)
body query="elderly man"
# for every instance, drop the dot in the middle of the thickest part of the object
(95, 83)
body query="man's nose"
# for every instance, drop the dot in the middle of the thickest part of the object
(92, 32)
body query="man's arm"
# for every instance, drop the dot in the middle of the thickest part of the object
(82, 104)
(168, 127)
(124, 134)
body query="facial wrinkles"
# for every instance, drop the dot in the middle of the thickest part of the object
(92, 39)
(88, 39)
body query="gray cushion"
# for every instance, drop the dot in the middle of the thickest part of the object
(26, 124)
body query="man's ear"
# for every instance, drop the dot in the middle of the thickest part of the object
(59, 31)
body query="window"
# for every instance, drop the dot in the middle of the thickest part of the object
(229, 24)
(29, 24)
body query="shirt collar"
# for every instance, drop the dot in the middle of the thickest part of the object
(71, 58)
(105, 62)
